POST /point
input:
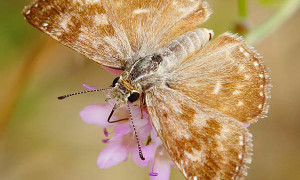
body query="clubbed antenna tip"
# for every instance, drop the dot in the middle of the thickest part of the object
(61, 97)
(83, 92)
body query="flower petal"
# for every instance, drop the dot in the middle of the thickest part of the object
(154, 137)
(148, 152)
(105, 140)
(144, 132)
(113, 154)
(246, 125)
(161, 168)
(136, 116)
(97, 114)
(122, 129)
(114, 71)
(88, 87)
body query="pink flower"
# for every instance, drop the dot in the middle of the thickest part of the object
(160, 165)
(122, 143)
(114, 71)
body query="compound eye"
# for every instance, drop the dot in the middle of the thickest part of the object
(115, 81)
(134, 96)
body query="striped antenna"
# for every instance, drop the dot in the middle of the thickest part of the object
(136, 136)
(82, 92)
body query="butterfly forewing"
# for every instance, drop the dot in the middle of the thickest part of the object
(226, 75)
(110, 32)
(85, 26)
(152, 24)
(203, 143)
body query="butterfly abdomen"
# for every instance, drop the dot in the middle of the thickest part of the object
(186, 45)
(178, 50)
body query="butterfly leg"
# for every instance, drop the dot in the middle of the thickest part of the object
(119, 120)
(142, 105)
(110, 115)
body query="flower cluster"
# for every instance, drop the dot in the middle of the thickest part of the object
(121, 141)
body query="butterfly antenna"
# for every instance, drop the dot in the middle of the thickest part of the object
(136, 136)
(82, 92)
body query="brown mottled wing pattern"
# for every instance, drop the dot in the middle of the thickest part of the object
(152, 24)
(87, 26)
(203, 142)
(228, 76)
(110, 32)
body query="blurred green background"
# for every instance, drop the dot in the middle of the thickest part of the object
(43, 138)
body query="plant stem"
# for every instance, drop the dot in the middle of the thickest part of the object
(270, 25)
(242, 6)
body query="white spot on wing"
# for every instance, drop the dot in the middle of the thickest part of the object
(261, 93)
(187, 135)
(236, 92)
(237, 168)
(217, 87)
(239, 86)
(92, 1)
(64, 22)
(189, 156)
(195, 155)
(100, 19)
(241, 142)
(248, 160)
(139, 11)
(240, 156)
(247, 77)
(240, 103)
(241, 67)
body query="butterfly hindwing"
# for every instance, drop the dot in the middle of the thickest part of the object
(227, 75)
(203, 143)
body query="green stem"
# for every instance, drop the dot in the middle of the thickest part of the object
(242, 6)
(267, 27)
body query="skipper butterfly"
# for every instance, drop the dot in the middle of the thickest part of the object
(198, 93)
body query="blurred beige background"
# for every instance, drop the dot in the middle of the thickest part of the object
(46, 139)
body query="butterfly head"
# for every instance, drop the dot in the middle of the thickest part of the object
(123, 92)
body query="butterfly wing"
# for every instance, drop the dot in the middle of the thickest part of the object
(88, 27)
(199, 106)
(110, 32)
(226, 75)
(152, 24)
(203, 142)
